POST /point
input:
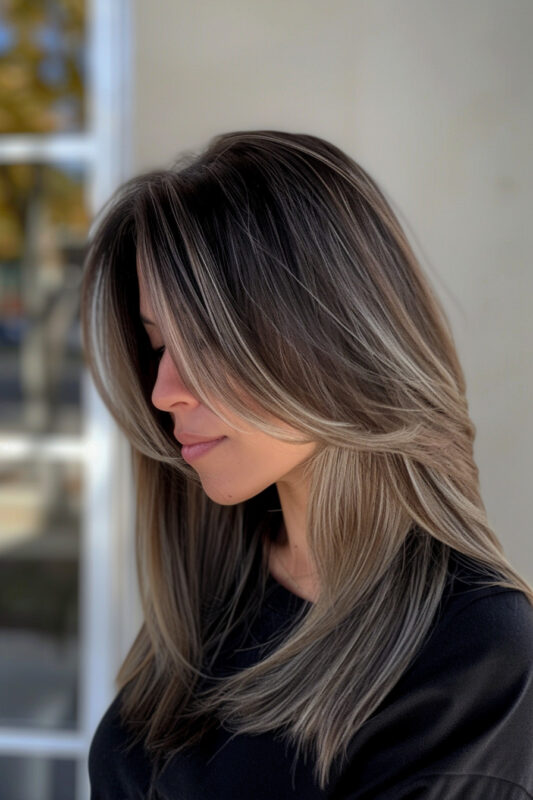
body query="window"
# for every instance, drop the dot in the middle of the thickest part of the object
(64, 491)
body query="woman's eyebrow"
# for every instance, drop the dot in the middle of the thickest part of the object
(147, 321)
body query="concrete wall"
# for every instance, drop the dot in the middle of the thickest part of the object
(435, 100)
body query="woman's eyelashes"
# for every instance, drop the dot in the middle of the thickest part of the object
(158, 352)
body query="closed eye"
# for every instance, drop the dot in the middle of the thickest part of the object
(158, 352)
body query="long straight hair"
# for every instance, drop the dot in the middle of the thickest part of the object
(286, 288)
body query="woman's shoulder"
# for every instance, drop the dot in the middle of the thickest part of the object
(481, 640)
(481, 617)
(459, 722)
(118, 767)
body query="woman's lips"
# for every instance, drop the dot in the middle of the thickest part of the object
(191, 452)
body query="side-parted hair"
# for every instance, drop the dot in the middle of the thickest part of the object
(285, 287)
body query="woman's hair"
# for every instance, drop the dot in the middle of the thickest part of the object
(284, 285)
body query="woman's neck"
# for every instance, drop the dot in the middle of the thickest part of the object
(291, 567)
(290, 561)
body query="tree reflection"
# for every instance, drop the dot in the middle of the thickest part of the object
(42, 66)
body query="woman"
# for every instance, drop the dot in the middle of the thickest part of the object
(327, 612)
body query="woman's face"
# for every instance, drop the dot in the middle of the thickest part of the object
(244, 462)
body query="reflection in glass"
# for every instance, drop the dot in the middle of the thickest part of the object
(39, 557)
(43, 231)
(42, 66)
(31, 778)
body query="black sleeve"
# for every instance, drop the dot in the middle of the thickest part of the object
(459, 724)
(117, 770)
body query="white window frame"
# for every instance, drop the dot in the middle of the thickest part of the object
(108, 610)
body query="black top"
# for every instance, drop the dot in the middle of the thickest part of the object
(458, 724)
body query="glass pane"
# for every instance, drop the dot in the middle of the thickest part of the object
(42, 66)
(43, 230)
(39, 557)
(32, 778)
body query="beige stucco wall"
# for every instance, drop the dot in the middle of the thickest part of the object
(435, 100)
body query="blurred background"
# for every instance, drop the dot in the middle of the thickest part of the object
(434, 99)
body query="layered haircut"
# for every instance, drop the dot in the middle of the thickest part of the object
(286, 289)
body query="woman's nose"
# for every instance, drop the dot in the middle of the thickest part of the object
(169, 389)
